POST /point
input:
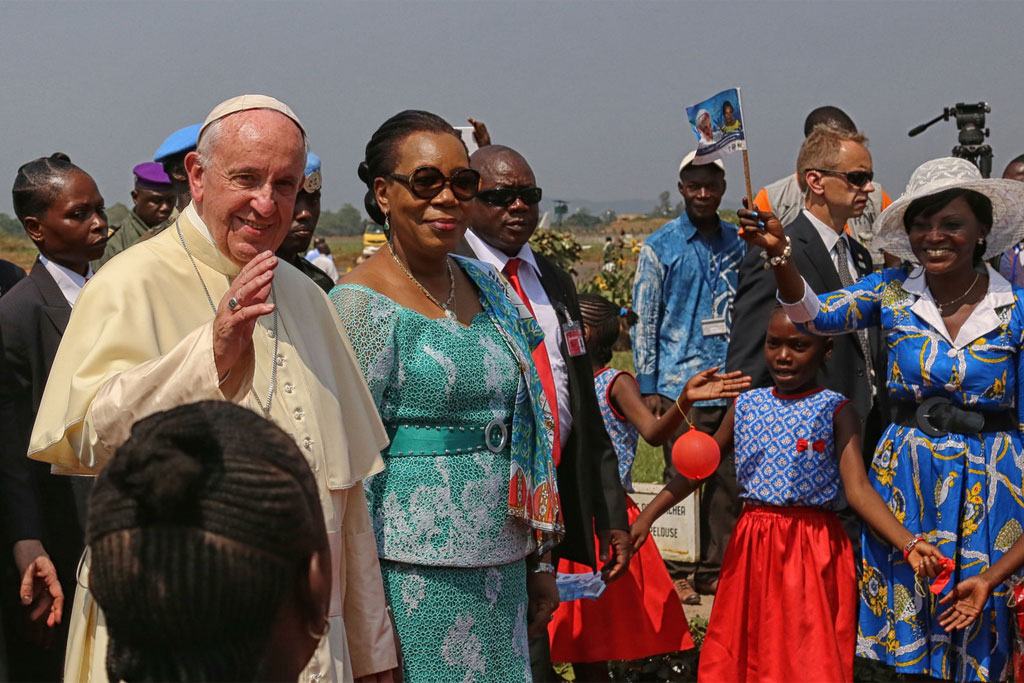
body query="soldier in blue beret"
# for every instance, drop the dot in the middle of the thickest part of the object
(171, 154)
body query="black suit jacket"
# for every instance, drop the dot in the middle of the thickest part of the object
(35, 504)
(846, 371)
(591, 492)
(10, 275)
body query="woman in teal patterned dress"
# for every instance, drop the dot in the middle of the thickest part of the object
(468, 497)
(950, 464)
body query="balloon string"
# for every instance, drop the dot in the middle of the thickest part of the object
(683, 412)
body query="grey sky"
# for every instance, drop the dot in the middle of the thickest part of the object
(591, 92)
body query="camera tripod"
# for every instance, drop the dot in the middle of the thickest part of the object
(970, 122)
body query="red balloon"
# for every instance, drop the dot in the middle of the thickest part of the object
(695, 454)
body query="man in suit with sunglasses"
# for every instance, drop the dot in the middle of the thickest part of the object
(504, 216)
(785, 197)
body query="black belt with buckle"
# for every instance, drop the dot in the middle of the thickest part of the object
(938, 416)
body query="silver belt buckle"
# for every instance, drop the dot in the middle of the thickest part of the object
(495, 436)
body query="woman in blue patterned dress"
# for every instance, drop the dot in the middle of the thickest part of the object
(950, 464)
(468, 500)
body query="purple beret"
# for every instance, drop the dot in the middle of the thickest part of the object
(150, 176)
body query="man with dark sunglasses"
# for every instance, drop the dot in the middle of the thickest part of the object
(837, 170)
(503, 216)
(785, 197)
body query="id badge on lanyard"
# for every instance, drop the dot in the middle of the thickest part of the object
(573, 333)
(713, 326)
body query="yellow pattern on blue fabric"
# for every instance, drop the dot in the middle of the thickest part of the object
(961, 491)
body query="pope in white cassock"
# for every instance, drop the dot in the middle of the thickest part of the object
(205, 310)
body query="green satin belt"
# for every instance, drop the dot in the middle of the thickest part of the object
(411, 440)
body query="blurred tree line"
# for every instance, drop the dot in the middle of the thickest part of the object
(348, 220)
(9, 225)
(345, 221)
(341, 223)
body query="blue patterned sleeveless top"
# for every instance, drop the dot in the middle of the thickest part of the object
(624, 436)
(785, 453)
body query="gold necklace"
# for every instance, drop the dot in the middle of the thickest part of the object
(962, 296)
(449, 305)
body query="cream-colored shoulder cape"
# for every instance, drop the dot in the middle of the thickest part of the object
(140, 340)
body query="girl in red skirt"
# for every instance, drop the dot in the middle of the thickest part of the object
(638, 615)
(786, 607)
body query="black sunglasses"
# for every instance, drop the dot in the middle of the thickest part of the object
(426, 182)
(855, 178)
(506, 196)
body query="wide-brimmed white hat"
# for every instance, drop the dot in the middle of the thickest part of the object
(947, 173)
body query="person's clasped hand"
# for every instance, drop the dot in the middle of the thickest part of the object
(925, 559)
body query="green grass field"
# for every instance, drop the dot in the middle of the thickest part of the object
(649, 461)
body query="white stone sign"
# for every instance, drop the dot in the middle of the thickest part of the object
(677, 532)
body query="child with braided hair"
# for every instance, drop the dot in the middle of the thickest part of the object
(210, 558)
(638, 615)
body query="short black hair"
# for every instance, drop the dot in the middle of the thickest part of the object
(1019, 159)
(829, 115)
(929, 205)
(38, 184)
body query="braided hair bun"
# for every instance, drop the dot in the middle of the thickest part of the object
(197, 529)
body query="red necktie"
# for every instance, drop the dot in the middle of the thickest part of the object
(540, 358)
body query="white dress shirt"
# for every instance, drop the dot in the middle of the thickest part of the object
(69, 281)
(830, 237)
(544, 312)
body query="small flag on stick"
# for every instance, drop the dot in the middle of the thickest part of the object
(718, 124)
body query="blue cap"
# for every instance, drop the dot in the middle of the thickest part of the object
(178, 142)
(314, 180)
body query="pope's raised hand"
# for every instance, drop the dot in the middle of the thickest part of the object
(244, 302)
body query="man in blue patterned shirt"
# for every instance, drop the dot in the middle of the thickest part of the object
(683, 292)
